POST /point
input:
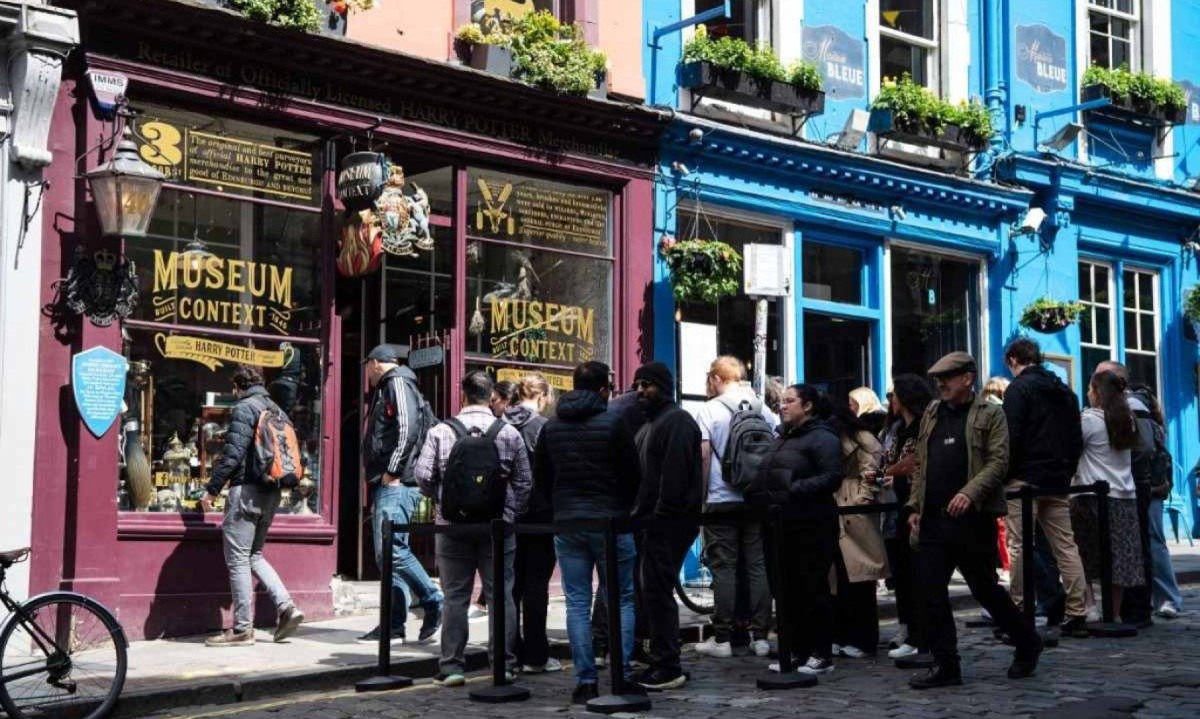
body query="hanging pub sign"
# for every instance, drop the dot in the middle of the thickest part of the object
(839, 58)
(361, 179)
(98, 385)
(1041, 58)
(1191, 94)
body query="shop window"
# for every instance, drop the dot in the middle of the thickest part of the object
(837, 353)
(1113, 32)
(749, 20)
(540, 273)
(833, 274)
(1139, 304)
(908, 40)
(1096, 322)
(935, 308)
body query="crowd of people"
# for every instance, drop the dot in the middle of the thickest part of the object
(944, 450)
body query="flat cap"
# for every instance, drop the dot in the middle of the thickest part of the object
(385, 353)
(952, 364)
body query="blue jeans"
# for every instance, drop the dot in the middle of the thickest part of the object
(1165, 588)
(399, 502)
(579, 555)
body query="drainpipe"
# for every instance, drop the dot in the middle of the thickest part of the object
(995, 90)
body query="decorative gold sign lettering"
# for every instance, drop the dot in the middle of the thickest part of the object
(213, 354)
(557, 380)
(536, 331)
(545, 214)
(265, 291)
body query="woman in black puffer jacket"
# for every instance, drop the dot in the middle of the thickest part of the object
(801, 473)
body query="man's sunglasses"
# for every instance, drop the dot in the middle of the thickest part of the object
(640, 384)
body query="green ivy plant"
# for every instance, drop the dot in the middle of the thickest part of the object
(915, 108)
(759, 62)
(1124, 85)
(702, 270)
(293, 14)
(547, 53)
(1047, 314)
(1191, 304)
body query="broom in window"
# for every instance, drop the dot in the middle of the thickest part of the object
(137, 467)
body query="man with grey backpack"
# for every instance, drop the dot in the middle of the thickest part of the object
(736, 431)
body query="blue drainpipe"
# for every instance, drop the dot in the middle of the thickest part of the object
(995, 90)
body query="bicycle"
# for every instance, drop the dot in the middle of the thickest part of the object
(62, 654)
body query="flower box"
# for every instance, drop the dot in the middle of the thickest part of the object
(492, 59)
(708, 80)
(1128, 109)
(883, 123)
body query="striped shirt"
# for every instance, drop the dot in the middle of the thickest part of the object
(514, 461)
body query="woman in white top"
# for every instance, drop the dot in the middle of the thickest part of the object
(1109, 433)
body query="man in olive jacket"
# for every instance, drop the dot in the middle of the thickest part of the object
(957, 494)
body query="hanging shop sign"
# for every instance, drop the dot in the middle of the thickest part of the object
(227, 163)
(98, 385)
(396, 221)
(426, 357)
(213, 354)
(839, 59)
(215, 290)
(554, 215)
(361, 179)
(1041, 58)
(536, 331)
(1191, 93)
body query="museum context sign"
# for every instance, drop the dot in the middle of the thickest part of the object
(211, 289)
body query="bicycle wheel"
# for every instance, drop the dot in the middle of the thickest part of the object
(695, 596)
(62, 656)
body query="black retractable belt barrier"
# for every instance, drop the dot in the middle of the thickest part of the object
(501, 691)
(618, 700)
(384, 680)
(785, 678)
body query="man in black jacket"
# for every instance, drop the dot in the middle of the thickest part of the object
(250, 508)
(397, 421)
(586, 462)
(1045, 441)
(672, 484)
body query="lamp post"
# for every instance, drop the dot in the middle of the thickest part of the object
(125, 191)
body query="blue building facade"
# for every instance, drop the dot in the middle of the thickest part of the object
(899, 252)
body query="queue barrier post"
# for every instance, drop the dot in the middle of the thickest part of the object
(786, 677)
(1109, 627)
(383, 679)
(618, 700)
(501, 691)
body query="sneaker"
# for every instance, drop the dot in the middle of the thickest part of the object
(1075, 627)
(1093, 614)
(760, 647)
(453, 679)
(712, 648)
(904, 650)
(602, 661)
(816, 665)
(939, 675)
(477, 612)
(373, 637)
(431, 627)
(835, 650)
(551, 665)
(901, 637)
(660, 679)
(231, 638)
(853, 652)
(1168, 610)
(584, 692)
(289, 622)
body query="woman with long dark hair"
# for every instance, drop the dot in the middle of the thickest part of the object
(911, 395)
(801, 474)
(1109, 433)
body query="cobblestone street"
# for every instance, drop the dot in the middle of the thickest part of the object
(1154, 672)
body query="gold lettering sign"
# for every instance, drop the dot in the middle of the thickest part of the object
(536, 331)
(265, 291)
(213, 354)
(548, 214)
(558, 380)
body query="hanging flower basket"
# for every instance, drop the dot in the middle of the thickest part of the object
(1191, 310)
(1050, 316)
(702, 270)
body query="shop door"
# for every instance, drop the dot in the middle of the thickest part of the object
(935, 308)
(837, 353)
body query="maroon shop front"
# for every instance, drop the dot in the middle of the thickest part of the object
(518, 208)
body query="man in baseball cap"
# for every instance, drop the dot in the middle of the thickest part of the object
(957, 494)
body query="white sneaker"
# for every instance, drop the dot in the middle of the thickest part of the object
(712, 648)
(904, 650)
(601, 662)
(1168, 610)
(760, 647)
(1093, 614)
(551, 665)
(773, 667)
(853, 652)
(816, 666)
(476, 612)
(900, 637)
(835, 650)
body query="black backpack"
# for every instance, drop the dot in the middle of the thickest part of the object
(1162, 465)
(473, 485)
(749, 442)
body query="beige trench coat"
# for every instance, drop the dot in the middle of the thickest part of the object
(859, 538)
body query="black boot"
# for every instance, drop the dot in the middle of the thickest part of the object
(945, 674)
(1026, 660)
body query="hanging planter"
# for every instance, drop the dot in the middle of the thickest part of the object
(702, 270)
(730, 69)
(910, 113)
(1050, 316)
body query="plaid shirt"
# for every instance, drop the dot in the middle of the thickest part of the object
(514, 461)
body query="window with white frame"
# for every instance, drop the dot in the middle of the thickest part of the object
(1139, 304)
(909, 38)
(1096, 322)
(748, 20)
(1114, 27)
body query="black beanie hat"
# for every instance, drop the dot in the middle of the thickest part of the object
(658, 374)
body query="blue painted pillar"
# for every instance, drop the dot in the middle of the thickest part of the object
(995, 89)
